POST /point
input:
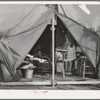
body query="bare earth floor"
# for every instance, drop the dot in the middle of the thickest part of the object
(58, 77)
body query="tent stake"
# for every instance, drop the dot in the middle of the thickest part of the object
(53, 52)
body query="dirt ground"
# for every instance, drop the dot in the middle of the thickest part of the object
(57, 87)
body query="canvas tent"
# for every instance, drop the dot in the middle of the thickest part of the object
(17, 43)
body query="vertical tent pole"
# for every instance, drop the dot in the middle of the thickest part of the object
(98, 58)
(53, 52)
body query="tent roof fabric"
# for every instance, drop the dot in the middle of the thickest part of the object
(28, 20)
(19, 41)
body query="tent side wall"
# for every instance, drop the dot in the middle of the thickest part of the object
(14, 49)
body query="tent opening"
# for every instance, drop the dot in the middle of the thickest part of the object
(44, 43)
(64, 66)
(42, 55)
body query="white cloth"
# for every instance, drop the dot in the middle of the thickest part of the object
(40, 59)
(59, 56)
(29, 66)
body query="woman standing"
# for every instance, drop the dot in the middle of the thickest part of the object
(71, 56)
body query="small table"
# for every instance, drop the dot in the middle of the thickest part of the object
(62, 51)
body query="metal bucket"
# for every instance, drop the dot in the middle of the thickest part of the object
(28, 73)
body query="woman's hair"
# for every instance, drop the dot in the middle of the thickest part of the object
(72, 44)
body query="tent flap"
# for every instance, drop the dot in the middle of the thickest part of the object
(15, 48)
(84, 37)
